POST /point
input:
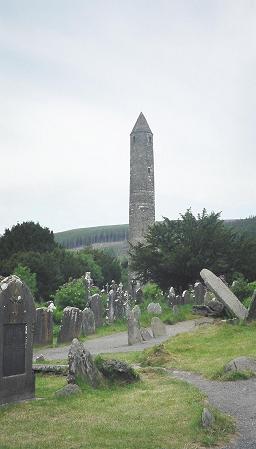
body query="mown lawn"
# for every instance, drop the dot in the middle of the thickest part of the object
(155, 413)
(206, 350)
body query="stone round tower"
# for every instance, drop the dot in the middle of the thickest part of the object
(142, 191)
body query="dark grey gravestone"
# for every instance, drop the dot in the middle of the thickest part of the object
(44, 327)
(71, 324)
(88, 323)
(17, 319)
(96, 305)
(252, 309)
(134, 334)
(199, 291)
(187, 297)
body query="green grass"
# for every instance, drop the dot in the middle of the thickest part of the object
(207, 350)
(156, 413)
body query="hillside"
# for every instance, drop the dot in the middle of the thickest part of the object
(114, 237)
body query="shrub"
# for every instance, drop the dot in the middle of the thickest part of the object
(26, 276)
(73, 294)
(242, 289)
(152, 293)
(57, 316)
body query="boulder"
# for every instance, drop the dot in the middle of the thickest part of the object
(115, 370)
(158, 327)
(224, 294)
(68, 390)
(81, 366)
(154, 308)
(241, 364)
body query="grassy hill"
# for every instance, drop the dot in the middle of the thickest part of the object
(114, 237)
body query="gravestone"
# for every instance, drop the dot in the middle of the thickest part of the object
(96, 306)
(252, 309)
(81, 366)
(224, 294)
(88, 322)
(17, 319)
(154, 308)
(44, 327)
(158, 327)
(134, 334)
(186, 297)
(172, 296)
(199, 292)
(71, 324)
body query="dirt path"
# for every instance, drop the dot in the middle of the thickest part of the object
(234, 398)
(118, 342)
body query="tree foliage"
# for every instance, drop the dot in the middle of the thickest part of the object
(73, 294)
(27, 236)
(26, 276)
(175, 251)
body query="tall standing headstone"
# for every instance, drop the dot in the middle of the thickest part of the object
(96, 305)
(199, 291)
(71, 324)
(44, 327)
(17, 319)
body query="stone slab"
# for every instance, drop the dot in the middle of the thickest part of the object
(224, 294)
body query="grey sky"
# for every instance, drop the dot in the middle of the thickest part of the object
(74, 76)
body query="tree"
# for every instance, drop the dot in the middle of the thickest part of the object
(27, 236)
(175, 251)
(26, 276)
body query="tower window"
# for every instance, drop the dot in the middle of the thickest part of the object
(149, 139)
(133, 138)
(149, 170)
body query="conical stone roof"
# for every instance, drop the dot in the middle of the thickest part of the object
(141, 125)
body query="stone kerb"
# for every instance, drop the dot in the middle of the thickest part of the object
(17, 319)
(224, 294)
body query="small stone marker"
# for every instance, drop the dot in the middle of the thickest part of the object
(252, 309)
(155, 308)
(88, 322)
(68, 390)
(71, 324)
(158, 327)
(44, 327)
(207, 418)
(17, 319)
(134, 335)
(146, 335)
(96, 306)
(81, 366)
(224, 294)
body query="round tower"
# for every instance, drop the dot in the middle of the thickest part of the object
(142, 191)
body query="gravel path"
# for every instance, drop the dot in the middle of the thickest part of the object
(118, 342)
(235, 398)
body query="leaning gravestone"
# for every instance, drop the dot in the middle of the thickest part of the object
(44, 327)
(17, 318)
(96, 305)
(158, 327)
(88, 322)
(71, 324)
(224, 294)
(134, 334)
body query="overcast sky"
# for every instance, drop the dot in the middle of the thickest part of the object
(74, 76)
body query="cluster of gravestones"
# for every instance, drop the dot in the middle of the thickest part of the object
(138, 334)
(117, 303)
